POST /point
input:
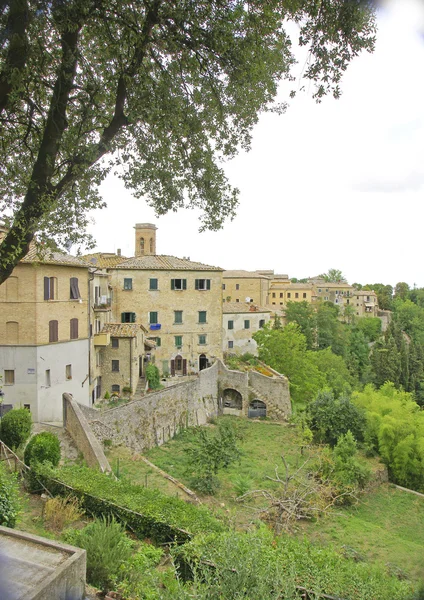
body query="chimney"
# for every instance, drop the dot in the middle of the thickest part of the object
(118, 252)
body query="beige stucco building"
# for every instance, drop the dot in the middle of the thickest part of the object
(246, 286)
(178, 300)
(240, 320)
(44, 333)
(365, 303)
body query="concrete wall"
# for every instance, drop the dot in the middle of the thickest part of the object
(30, 364)
(76, 425)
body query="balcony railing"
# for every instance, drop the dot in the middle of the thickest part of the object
(102, 303)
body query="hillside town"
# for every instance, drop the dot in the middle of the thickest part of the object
(89, 325)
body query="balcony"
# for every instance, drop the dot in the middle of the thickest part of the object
(102, 303)
(155, 326)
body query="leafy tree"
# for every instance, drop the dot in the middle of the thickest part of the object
(386, 361)
(330, 418)
(331, 331)
(16, 427)
(370, 327)
(334, 276)
(357, 355)
(337, 375)
(304, 315)
(153, 376)
(402, 290)
(285, 351)
(384, 294)
(43, 446)
(163, 89)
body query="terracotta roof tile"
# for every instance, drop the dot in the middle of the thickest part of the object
(126, 330)
(164, 262)
(242, 307)
(41, 255)
(103, 259)
(244, 274)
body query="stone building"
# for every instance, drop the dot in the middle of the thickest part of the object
(246, 286)
(44, 333)
(365, 303)
(179, 300)
(240, 320)
(282, 293)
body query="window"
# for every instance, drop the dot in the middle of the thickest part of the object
(27, 407)
(281, 294)
(97, 325)
(115, 342)
(296, 295)
(273, 294)
(127, 284)
(48, 380)
(127, 317)
(153, 318)
(262, 323)
(230, 344)
(158, 342)
(237, 299)
(142, 245)
(153, 284)
(347, 301)
(74, 289)
(98, 359)
(53, 331)
(115, 366)
(202, 316)
(237, 286)
(178, 341)
(116, 388)
(179, 284)
(304, 294)
(202, 340)
(73, 326)
(230, 324)
(12, 332)
(50, 288)
(247, 323)
(178, 317)
(202, 284)
(223, 286)
(319, 290)
(9, 377)
(288, 294)
(68, 371)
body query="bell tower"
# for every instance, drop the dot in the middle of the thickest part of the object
(145, 239)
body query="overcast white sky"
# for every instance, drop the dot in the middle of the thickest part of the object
(338, 184)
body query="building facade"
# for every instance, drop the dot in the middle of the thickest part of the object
(246, 286)
(240, 320)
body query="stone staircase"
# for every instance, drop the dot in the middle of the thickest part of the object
(274, 412)
(139, 392)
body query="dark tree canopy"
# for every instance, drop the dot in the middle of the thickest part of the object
(164, 88)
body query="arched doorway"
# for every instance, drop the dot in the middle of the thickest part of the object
(257, 409)
(232, 399)
(179, 365)
(203, 362)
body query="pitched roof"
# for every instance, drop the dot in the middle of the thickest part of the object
(165, 263)
(44, 255)
(364, 293)
(125, 330)
(245, 274)
(103, 259)
(242, 307)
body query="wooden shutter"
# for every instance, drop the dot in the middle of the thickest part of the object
(74, 289)
(172, 367)
(184, 284)
(172, 284)
(53, 331)
(196, 284)
(74, 329)
(208, 284)
(184, 366)
(132, 318)
(46, 288)
(122, 317)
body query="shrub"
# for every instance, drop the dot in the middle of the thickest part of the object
(331, 418)
(107, 395)
(242, 484)
(42, 447)
(9, 498)
(61, 512)
(137, 578)
(107, 548)
(16, 427)
(152, 376)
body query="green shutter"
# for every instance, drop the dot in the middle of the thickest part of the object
(208, 284)
(132, 319)
(122, 317)
(196, 284)
(184, 284)
(172, 284)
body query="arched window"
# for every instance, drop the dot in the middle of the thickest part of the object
(151, 245)
(142, 245)
(12, 332)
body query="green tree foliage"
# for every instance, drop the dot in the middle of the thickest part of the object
(331, 332)
(386, 360)
(152, 376)
(402, 290)
(337, 375)
(108, 548)
(334, 276)
(210, 451)
(349, 472)
(384, 294)
(10, 504)
(370, 327)
(332, 417)
(164, 89)
(16, 427)
(44, 446)
(304, 315)
(285, 350)
(395, 429)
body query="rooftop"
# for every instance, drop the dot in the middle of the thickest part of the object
(103, 259)
(45, 255)
(243, 307)
(123, 330)
(245, 274)
(165, 263)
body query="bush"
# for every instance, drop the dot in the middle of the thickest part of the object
(42, 447)
(107, 548)
(137, 578)
(16, 427)
(9, 498)
(152, 376)
(61, 512)
(331, 418)
(107, 395)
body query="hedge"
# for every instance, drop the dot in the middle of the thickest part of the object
(147, 512)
